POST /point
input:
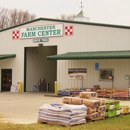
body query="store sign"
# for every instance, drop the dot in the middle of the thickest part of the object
(77, 73)
(41, 40)
(42, 31)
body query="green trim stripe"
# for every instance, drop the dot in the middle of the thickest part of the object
(91, 55)
(6, 56)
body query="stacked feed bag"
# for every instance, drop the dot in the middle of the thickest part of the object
(117, 107)
(119, 93)
(125, 109)
(64, 114)
(67, 100)
(102, 101)
(102, 111)
(118, 111)
(69, 92)
(113, 108)
(110, 104)
(104, 92)
(72, 100)
(96, 106)
(88, 95)
(93, 116)
(77, 101)
(91, 103)
(110, 110)
(64, 92)
(91, 110)
(92, 106)
(102, 108)
(75, 93)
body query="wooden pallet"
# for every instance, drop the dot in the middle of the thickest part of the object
(89, 120)
(56, 123)
(102, 118)
(100, 96)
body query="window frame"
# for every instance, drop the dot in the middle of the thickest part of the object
(108, 74)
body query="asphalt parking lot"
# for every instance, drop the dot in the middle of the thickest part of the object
(22, 108)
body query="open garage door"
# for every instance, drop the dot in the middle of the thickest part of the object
(39, 69)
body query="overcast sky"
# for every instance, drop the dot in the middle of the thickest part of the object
(99, 11)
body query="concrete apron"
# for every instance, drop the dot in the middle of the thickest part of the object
(22, 108)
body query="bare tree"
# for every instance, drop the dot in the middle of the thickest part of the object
(13, 17)
(18, 17)
(66, 17)
(3, 18)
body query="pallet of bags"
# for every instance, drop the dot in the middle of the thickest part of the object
(63, 114)
(92, 105)
(88, 95)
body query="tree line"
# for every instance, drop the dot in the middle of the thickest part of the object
(12, 17)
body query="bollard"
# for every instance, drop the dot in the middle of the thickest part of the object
(55, 85)
(20, 87)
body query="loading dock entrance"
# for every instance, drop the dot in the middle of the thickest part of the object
(37, 67)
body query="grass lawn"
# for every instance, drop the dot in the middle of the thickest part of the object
(115, 123)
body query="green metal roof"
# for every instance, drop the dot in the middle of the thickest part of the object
(81, 14)
(91, 55)
(68, 21)
(6, 56)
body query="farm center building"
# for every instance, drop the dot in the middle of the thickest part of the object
(73, 53)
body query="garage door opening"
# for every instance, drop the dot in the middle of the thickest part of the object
(40, 73)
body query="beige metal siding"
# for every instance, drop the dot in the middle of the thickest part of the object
(84, 38)
(121, 68)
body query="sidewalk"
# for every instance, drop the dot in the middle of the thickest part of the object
(22, 108)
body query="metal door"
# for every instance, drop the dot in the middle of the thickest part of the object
(6, 79)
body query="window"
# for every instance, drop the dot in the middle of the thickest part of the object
(106, 74)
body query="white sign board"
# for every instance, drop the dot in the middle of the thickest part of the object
(14, 88)
(77, 73)
(41, 31)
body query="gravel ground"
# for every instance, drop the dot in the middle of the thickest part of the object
(22, 108)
